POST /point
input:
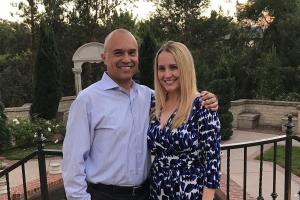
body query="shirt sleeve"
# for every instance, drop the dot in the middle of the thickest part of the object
(76, 147)
(209, 125)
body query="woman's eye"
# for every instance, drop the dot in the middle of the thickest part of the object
(173, 67)
(161, 68)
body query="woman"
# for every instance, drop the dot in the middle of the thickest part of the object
(183, 136)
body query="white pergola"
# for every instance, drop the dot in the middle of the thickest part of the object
(90, 53)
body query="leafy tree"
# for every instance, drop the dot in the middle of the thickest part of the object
(89, 15)
(280, 23)
(243, 70)
(47, 75)
(282, 26)
(155, 26)
(14, 37)
(30, 15)
(290, 83)
(122, 20)
(15, 79)
(179, 17)
(203, 73)
(4, 132)
(269, 75)
(219, 38)
(147, 52)
(222, 85)
(15, 66)
(211, 31)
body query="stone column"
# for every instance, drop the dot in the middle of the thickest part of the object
(77, 75)
(55, 167)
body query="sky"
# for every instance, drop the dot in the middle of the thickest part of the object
(142, 9)
(6, 8)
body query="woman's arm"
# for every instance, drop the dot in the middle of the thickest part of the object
(208, 194)
(209, 127)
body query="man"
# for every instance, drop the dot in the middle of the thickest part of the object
(105, 149)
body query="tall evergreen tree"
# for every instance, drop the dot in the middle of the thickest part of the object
(46, 78)
(147, 53)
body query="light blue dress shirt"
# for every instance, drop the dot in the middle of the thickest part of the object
(106, 139)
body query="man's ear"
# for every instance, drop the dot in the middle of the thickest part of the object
(102, 55)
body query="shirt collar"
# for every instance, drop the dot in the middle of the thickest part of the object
(107, 83)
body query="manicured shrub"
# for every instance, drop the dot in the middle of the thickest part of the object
(24, 132)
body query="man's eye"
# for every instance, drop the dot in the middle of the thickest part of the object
(132, 53)
(118, 53)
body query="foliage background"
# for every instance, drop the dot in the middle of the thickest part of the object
(259, 49)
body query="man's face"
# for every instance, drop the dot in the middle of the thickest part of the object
(121, 57)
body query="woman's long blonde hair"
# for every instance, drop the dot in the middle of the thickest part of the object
(187, 78)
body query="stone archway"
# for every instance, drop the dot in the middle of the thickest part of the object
(89, 52)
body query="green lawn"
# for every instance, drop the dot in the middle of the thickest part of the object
(268, 156)
(19, 153)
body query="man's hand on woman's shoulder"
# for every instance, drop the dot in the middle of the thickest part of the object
(209, 100)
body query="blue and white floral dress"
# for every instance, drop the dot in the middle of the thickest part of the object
(187, 158)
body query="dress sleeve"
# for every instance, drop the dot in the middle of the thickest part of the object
(209, 128)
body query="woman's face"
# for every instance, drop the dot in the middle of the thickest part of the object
(168, 72)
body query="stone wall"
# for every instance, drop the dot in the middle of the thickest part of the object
(272, 113)
(18, 112)
(23, 111)
(65, 103)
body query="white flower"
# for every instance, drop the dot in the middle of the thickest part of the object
(49, 129)
(43, 138)
(57, 125)
(56, 141)
(35, 134)
(48, 122)
(16, 121)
